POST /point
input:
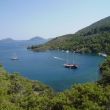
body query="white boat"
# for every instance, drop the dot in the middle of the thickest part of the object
(14, 57)
(103, 54)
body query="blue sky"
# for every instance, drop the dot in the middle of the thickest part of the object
(24, 19)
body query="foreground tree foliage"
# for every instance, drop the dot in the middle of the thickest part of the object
(105, 72)
(19, 93)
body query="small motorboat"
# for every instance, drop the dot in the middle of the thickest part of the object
(15, 58)
(103, 54)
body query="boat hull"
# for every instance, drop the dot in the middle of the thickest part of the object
(14, 58)
(71, 66)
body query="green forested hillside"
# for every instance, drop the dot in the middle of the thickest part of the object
(19, 93)
(92, 39)
(100, 26)
(105, 72)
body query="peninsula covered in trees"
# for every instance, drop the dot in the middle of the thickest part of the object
(92, 39)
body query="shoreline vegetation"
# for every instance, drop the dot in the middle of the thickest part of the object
(19, 93)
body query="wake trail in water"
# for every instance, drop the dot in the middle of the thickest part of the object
(58, 58)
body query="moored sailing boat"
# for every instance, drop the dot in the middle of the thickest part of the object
(70, 65)
(14, 57)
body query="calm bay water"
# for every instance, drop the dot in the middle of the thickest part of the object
(48, 68)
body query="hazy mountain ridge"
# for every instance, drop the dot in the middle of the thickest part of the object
(7, 40)
(35, 40)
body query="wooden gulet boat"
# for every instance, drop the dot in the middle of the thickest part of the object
(70, 65)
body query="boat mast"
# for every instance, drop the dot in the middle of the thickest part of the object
(73, 58)
(67, 57)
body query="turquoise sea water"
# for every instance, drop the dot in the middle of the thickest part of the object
(48, 68)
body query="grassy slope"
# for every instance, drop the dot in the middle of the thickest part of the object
(19, 93)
